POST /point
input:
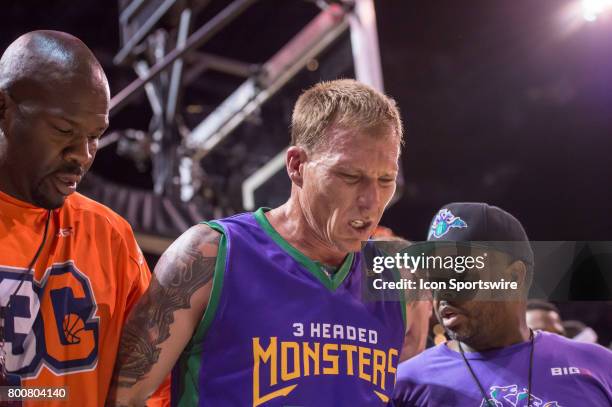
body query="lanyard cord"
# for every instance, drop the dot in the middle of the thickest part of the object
(484, 395)
(33, 262)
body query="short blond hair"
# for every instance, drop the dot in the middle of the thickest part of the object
(345, 103)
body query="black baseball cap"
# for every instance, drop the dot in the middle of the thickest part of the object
(478, 224)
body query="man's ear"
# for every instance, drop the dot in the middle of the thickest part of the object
(519, 274)
(518, 271)
(295, 160)
(3, 105)
(4, 101)
(7, 107)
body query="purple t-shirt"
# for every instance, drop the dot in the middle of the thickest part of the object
(565, 373)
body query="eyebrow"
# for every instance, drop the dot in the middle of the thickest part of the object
(74, 123)
(344, 168)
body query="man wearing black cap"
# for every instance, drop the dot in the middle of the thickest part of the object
(493, 358)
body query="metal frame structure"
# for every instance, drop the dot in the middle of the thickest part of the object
(283, 66)
(195, 40)
(163, 72)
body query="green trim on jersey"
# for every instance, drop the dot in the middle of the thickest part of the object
(398, 277)
(315, 268)
(191, 360)
(402, 301)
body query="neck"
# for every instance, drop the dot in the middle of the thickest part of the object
(10, 184)
(7, 186)
(290, 222)
(501, 340)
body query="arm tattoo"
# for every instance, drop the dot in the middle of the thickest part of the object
(181, 273)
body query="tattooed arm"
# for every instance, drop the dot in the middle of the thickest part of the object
(165, 317)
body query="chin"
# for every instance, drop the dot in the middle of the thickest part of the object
(44, 195)
(458, 334)
(351, 246)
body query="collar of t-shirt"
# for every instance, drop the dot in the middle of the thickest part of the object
(493, 353)
(13, 207)
(327, 269)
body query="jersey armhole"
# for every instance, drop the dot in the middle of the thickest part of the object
(215, 293)
(186, 372)
(395, 273)
(402, 297)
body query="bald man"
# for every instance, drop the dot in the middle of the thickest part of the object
(544, 316)
(70, 268)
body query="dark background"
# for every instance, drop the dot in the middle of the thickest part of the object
(508, 102)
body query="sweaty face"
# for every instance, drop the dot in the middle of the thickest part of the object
(53, 138)
(347, 184)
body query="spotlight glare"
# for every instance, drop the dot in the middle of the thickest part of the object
(592, 8)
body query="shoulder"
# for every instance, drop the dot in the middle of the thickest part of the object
(110, 229)
(415, 374)
(87, 207)
(195, 250)
(578, 350)
(186, 266)
(202, 238)
(589, 359)
(419, 363)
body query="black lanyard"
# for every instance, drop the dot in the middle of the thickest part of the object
(484, 395)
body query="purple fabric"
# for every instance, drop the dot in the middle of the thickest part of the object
(266, 292)
(565, 373)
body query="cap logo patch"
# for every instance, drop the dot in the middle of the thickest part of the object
(443, 222)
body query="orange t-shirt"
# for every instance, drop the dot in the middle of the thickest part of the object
(64, 322)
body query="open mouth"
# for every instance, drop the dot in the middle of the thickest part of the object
(360, 225)
(451, 316)
(66, 184)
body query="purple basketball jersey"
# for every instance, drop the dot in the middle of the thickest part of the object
(278, 331)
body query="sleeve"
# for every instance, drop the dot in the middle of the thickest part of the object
(139, 273)
(599, 360)
(402, 392)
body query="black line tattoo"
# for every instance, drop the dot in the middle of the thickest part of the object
(181, 272)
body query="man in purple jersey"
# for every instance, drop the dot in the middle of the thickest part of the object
(493, 358)
(265, 308)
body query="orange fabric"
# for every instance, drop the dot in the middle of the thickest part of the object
(88, 276)
(382, 232)
(161, 397)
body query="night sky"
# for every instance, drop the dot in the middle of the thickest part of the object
(500, 106)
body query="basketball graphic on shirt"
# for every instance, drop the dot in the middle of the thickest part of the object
(73, 324)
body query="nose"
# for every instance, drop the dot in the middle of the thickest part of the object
(369, 195)
(81, 151)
